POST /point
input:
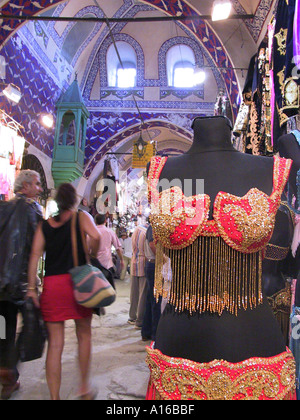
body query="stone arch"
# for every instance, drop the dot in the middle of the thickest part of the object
(202, 30)
(95, 166)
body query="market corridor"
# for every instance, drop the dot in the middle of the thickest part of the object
(119, 371)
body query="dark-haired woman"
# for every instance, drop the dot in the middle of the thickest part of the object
(57, 302)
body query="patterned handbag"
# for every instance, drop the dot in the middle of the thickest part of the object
(91, 287)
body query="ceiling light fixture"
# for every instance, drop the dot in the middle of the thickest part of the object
(13, 93)
(48, 120)
(221, 10)
(140, 147)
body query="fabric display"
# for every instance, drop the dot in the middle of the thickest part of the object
(185, 236)
(217, 257)
(272, 88)
(296, 35)
(11, 154)
(296, 199)
(278, 262)
(286, 77)
(259, 138)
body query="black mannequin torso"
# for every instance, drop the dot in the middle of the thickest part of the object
(273, 279)
(290, 148)
(203, 338)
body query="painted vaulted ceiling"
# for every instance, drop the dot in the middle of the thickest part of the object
(43, 56)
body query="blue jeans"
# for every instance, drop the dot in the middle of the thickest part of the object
(153, 308)
(295, 344)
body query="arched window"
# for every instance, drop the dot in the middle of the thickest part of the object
(75, 38)
(67, 133)
(181, 67)
(121, 65)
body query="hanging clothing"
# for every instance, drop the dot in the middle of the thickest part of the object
(286, 80)
(296, 35)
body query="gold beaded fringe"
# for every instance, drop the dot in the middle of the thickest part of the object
(208, 276)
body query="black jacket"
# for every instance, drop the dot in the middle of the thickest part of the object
(18, 221)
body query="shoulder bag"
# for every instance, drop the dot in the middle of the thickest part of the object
(91, 288)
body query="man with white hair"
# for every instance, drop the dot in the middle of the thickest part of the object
(18, 221)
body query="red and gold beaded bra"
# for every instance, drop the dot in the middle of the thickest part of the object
(214, 264)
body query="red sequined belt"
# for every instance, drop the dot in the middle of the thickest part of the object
(254, 379)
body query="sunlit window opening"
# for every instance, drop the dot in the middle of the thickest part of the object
(121, 65)
(183, 77)
(188, 77)
(182, 70)
(126, 78)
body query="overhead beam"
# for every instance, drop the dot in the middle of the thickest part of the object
(180, 18)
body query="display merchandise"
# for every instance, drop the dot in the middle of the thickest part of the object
(254, 379)
(272, 87)
(277, 270)
(289, 146)
(11, 153)
(213, 242)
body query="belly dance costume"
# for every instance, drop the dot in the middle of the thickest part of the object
(222, 262)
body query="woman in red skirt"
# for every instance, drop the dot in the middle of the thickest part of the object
(57, 302)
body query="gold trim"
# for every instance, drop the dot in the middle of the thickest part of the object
(208, 276)
(175, 378)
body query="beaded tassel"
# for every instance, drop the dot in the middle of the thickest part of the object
(209, 276)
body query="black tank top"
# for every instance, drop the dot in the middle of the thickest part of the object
(59, 258)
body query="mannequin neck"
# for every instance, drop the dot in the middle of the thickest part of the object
(211, 134)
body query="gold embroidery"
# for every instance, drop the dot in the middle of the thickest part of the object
(281, 37)
(212, 265)
(253, 225)
(253, 135)
(281, 76)
(173, 209)
(175, 378)
(281, 307)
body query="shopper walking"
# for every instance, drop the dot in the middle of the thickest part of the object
(18, 222)
(153, 307)
(108, 239)
(127, 253)
(138, 287)
(57, 300)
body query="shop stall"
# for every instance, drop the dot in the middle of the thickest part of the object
(11, 152)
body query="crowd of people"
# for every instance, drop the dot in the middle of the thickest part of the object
(130, 256)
